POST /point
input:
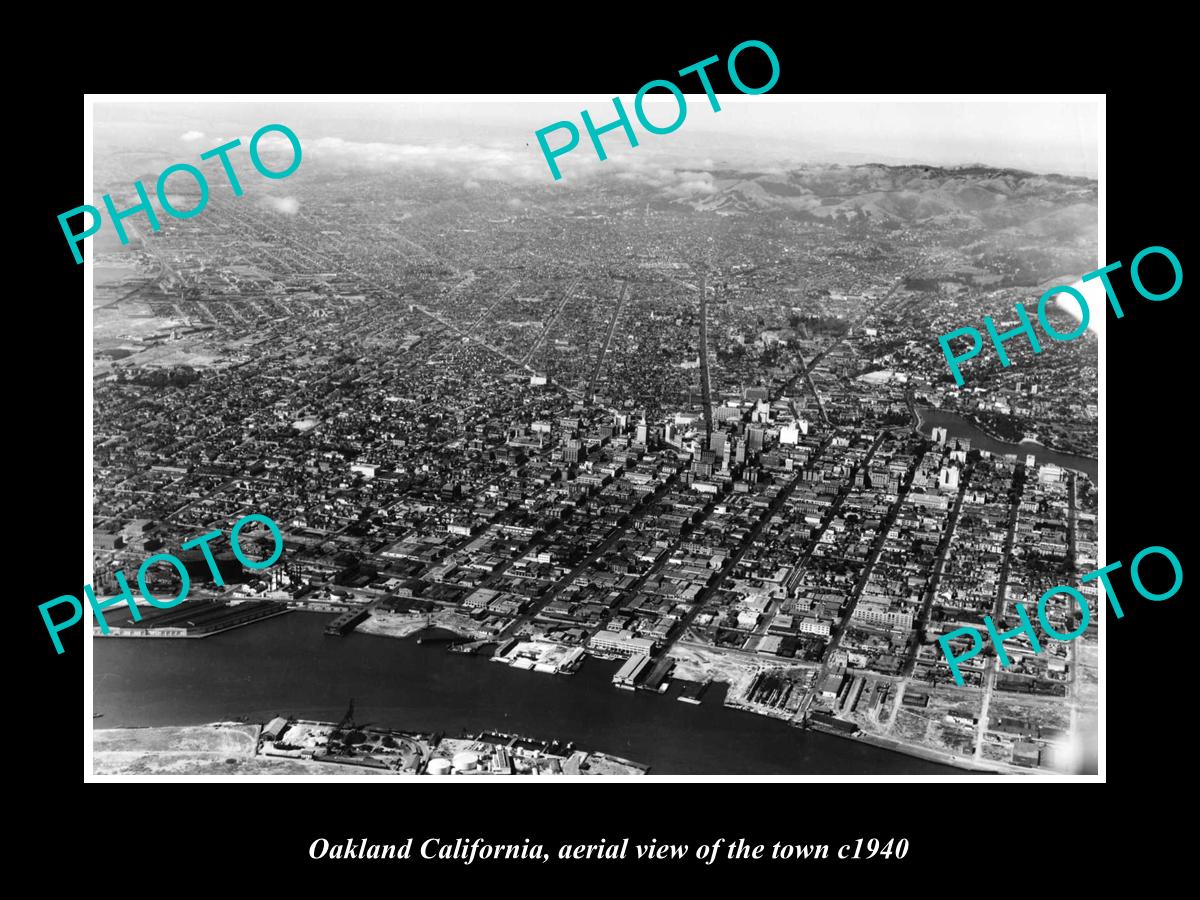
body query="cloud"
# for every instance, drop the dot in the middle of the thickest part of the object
(479, 162)
(475, 165)
(287, 205)
(691, 184)
(670, 182)
(191, 135)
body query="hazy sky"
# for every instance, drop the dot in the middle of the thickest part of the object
(1040, 137)
(1053, 136)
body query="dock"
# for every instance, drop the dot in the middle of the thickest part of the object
(657, 679)
(195, 618)
(346, 622)
(693, 691)
(627, 676)
(435, 635)
(473, 647)
(541, 656)
(824, 721)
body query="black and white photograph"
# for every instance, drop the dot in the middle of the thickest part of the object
(685, 434)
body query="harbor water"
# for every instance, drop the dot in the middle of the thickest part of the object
(289, 666)
(958, 427)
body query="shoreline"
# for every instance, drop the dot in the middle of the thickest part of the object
(959, 765)
(914, 751)
(403, 626)
(132, 633)
(971, 420)
(246, 748)
(926, 755)
(967, 767)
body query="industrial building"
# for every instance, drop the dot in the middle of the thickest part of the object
(627, 676)
(193, 618)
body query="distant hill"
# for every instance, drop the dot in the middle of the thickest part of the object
(995, 198)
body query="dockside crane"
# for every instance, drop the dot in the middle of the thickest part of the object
(348, 719)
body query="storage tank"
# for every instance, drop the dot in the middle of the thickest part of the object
(465, 761)
(439, 766)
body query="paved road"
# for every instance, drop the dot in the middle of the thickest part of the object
(747, 543)
(797, 572)
(549, 324)
(705, 392)
(612, 326)
(659, 561)
(989, 683)
(816, 395)
(840, 629)
(749, 656)
(910, 660)
(1072, 569)
(163, 266)
(806, 369)
(604, 546)
(503, 296)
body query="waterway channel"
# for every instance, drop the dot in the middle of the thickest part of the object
(957, 426)
(288, 666)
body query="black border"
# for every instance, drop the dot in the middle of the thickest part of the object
(953, 828)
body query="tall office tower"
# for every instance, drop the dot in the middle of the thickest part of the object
(716, 443)
(620, 422)
(643, 432)
(739, 452)
(754, 437)
(762, 411)
(948, 478)
(728, 414)
(803, 425)
(939, 435)
(573, 450)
